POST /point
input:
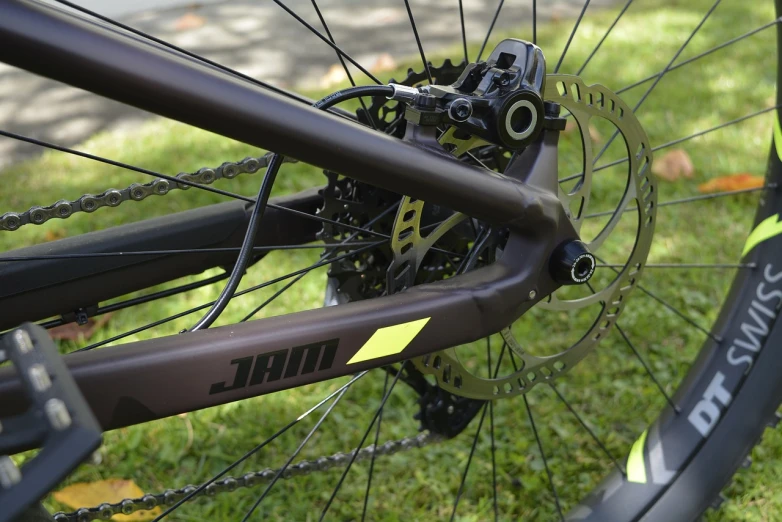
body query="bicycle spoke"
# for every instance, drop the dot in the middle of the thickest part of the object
(469, 461)
(491, 435)
(477, 434)
(667, 305)
(587, 428)
(464, 32)
(700, 197)
(676, 141)
(539, 443)
(260, 446)
(372, 460)
(295, 454)
(342, 61)
(647, 369)
(182, 251)
(535, 22)
(603, 39)
(418, 41)
(686, 265)
(360, 444)
(237, 294)
(126, 166)
(193, 55)
(704, 53)
(660, 76)
(570, 38)
(491, 28)
(326, 40)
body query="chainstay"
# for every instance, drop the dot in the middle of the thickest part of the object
(89, 203)
(254, 478)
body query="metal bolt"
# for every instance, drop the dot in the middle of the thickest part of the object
(450, 409)
(9, 473)
(57, 413)
(532, 294)
(39, 377)
(23, 341)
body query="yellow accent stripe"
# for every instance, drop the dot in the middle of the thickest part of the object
(389, 340)
(777, 136)
(636, 469)
(768, 228)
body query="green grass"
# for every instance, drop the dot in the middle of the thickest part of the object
(609, 388)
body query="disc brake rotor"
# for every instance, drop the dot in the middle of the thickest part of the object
(584, 103)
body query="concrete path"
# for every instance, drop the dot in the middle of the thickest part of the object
(258, 38)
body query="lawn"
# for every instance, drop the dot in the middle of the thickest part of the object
(610, 389)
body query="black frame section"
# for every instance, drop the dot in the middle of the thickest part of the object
(142, 381)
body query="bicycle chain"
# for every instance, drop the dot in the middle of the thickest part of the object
(254, 478)
(89, 203)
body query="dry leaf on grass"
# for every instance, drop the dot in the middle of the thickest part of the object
(75, 332)
(740, 181)
(84, 494)
(594, 134)
(53, 234)
(336, 74)
(673, 165)
(189, 21)
(384, 62)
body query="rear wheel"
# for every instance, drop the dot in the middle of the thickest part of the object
(516, 452)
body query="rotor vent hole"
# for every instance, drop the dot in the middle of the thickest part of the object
(546, 372)
(508, 387)
(559, 366)
(576, 92)
(437, 362)
(409, 215)
(496, 390)
(447, 374)
(531, 376)
(406, 247)
(457, 381)
(406, 233)
(561, 89)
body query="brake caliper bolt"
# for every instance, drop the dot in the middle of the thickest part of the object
(460, 109)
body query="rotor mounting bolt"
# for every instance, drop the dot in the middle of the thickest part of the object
(532, 294)
(460, 109)
(572, 263)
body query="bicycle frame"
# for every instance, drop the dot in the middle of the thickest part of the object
(146, 380)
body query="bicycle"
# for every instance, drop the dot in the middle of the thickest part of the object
(445, 220)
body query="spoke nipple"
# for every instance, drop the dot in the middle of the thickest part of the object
(572, 263)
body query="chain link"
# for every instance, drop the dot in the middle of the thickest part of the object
(254, 478)
(63, 209)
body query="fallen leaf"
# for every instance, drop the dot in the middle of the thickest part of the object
(336, 74)
(740, 181)
(53, 234)
(594, 134)
(384, 62)
(673, 165)
(189, 21)
(112, 490)
(75, 331)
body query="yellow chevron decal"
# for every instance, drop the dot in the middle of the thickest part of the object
(768, 228)
(636, 469)
(389, 340)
